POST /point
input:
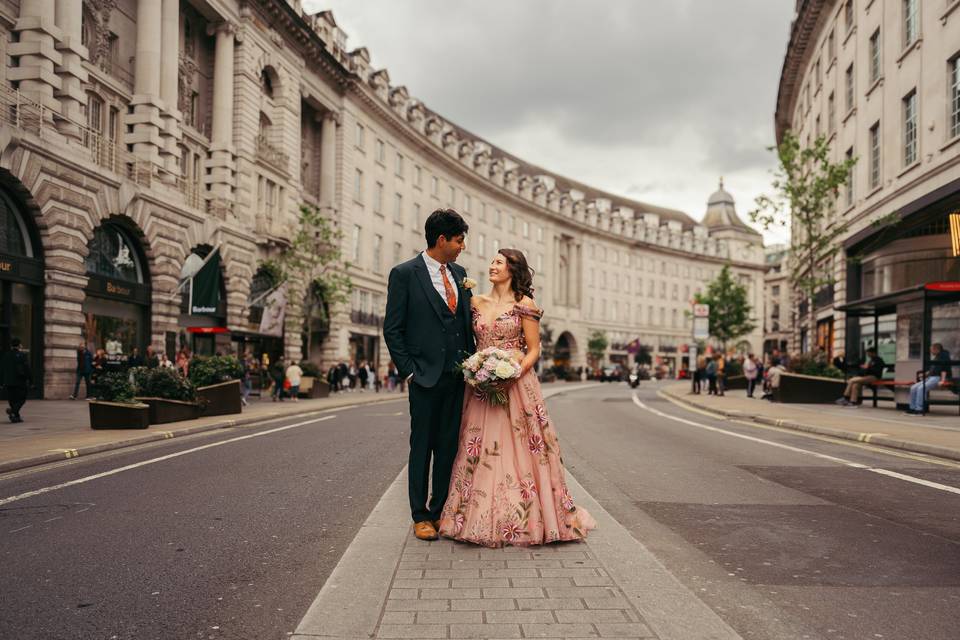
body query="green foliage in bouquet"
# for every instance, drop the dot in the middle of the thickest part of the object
(205, 371)
(163, 382)
(114, 386)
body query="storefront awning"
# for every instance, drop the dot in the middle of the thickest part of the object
(887, 302)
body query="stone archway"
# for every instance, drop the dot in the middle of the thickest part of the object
(565, 350)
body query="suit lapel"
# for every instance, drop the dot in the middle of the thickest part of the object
(423, 276)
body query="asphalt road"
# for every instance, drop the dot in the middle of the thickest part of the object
(782, 544)
(786, 536)
(232, 541)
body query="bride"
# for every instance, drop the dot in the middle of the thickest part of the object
(507, 485)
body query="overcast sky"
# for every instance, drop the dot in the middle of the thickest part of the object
(650, 99)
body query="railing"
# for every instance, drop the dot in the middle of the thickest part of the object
(19, 112)
(363, 317)
(823, 297)
(192, 192)
(271, 154)
(114, 70)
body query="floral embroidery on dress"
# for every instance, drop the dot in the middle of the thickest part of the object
(507, 485)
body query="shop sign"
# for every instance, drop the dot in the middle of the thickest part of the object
(118, 290)
(274, 312)
(207, 330)
(943, 286)
(205, 287)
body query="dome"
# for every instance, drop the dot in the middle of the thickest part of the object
(722, 213)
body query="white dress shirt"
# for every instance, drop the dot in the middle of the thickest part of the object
(433, 268)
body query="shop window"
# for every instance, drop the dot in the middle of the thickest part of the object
(13, 232)
(113, 254)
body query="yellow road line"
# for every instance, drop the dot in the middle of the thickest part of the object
(863, 437)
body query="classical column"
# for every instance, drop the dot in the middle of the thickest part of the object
(146, 102)
(36, 52)
(169, 70)
(328, 161)
(222, 159)
(69, 18)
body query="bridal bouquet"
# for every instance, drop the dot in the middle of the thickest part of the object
(486, 369)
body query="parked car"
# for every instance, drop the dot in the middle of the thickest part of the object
(613, 373)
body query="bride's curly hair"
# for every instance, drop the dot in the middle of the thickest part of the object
(520, 272)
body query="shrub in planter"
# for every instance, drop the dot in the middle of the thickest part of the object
(813, 364)
(114, 406)
(732, 368)
(310, 369)
(206, 371)
(171, 397)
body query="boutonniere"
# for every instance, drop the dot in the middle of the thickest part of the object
(468, 283)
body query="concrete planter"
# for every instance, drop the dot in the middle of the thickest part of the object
(163, 410)
(220, 399)
(797, 388)
(735, 382)
(311, 387)
(118, 415)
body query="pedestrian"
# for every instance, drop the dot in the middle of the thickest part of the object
(699, 374)
(83, 371)
(710, 370)
(871, 370)
(938, 374)
(721, 373)
(246, 382)
(183, 361)
(343, 375)
(135, 359)
(773, 379)
(293, 374)
(99, 364)
(279, 375)
(165, 362)
(750, 372)
(16, 378)
(152, 359)
(392, 376)
(352, 374)
(363, 374)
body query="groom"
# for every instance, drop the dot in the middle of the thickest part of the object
(428, 331)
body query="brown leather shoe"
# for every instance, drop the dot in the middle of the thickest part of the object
(425, 530)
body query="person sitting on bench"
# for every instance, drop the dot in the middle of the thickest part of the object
(871, 370)
(938, 374)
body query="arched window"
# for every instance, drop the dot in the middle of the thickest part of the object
(88, 29)
(14, 240)
(263, 281)
(265, 125)
(95, 112)
(266, 82)
(113, 254)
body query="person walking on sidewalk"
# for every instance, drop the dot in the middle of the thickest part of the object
(294, 373)
(750, 372)
(428, 330)
(871, 370)
(362, 374)
(84, 369)
(710, 371)
(16, 378)
(938, 374)
(699, 374)
(721, 373)
(278, 375)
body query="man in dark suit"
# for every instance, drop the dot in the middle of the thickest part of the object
(16, 378)
(428, 331)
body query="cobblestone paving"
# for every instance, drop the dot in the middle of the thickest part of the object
(445, 589)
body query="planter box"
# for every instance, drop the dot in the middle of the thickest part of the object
(220, 399)
(163, 410)
(311, 387)
(735, 382)
(797, 388)
(118, 415)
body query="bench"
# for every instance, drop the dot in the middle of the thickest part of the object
(949, 385)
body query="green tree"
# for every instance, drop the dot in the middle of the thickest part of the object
(806, 186)
(313, 263)
(729, 307)
(597, 346)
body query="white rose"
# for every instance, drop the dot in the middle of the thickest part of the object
(505, 370)
(469, 283)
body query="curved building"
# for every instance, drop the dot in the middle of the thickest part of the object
(881, 80)
(148, 142)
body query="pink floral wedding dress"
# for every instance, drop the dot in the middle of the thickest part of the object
(507, 485)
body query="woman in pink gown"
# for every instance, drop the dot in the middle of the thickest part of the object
(507, 485)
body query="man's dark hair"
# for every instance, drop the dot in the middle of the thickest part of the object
(871, 350)
(775, 362)
(443, 222)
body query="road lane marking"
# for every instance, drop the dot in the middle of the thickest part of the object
(22, 528)
(919, 457)
(815, 454)
(63, 485)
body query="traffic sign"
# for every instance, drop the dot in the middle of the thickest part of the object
(701, 328)
(701, 311)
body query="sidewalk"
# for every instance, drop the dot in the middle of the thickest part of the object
(388, 584)
(936, 434)
(55, 430)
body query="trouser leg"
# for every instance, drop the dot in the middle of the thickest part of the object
(445, 440)
(418, 464)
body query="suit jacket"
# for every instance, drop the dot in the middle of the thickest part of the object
(417, 319)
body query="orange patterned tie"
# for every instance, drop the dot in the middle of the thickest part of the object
(448, 288)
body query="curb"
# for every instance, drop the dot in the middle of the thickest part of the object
(868, 438)
(69, 454)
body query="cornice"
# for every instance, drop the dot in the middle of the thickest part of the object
(802, 37)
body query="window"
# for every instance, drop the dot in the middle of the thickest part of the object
(663, 290)
(378, 198)
(650, 315)
(818, 73)
(849, 189)
(675, 293)
(466, 203)
(355, 242)
(496, 246)
(831, 113)
(377, 250)
(359, 137)
(954, 104)
(848, 15)
(358, 186)
(483, 212)
(482, 245)
(911, 23)
(775, 291)
(910, 128)
(816, 128)
(539, 262)
(398, 208)
(398, 167)
(673, 318)
(434, 185)
(95, 112)
(539, 233)
(831, 45)
(397, 252)
(875, 59)
(416, 219)
(525, 227)
(848, 84)
(875, 156)
(452, 195)
(417, 175)
(512, 224)
(497, 217)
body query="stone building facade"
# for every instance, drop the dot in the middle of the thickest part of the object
(881, 80)
(778, 312)
(141, 137)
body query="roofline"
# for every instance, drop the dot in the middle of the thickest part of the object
(801, 29)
